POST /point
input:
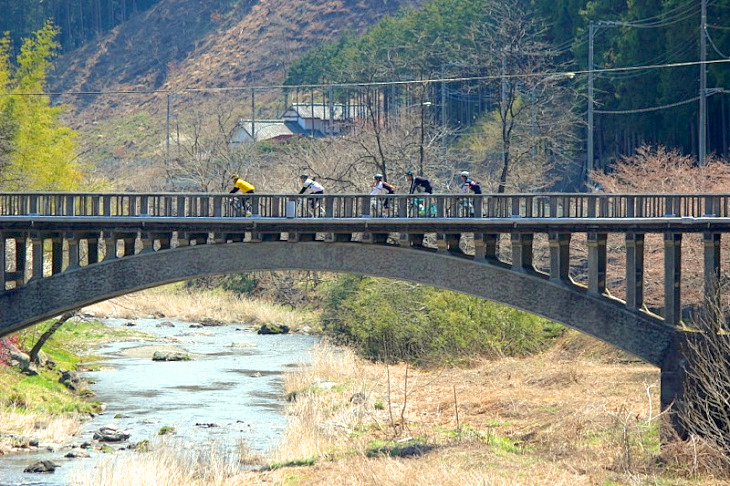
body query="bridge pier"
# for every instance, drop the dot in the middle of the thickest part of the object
(522, 252)
(37, 255)
(110, 246)
(634, 271)
(597, 262)
(56, 253)
(72, 241)
(3, 263)
(559, 256)
(711, 243)
(672, 278)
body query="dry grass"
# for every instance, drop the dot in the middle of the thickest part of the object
(173, 303)
(166, 465)
(45, 428)
(562, 418)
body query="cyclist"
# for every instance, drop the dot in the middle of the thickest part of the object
(310, 186)
(421, 184)
(246, 188)
(379, 186)
(466, 186)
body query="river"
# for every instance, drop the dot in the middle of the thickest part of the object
(232, 390)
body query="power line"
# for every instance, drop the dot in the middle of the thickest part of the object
(712, 43)
(653, 108)
(354, 84)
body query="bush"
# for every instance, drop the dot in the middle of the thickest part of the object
(400, 321)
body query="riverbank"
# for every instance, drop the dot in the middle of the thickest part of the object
(578, 414)
(200, 306)
(39, 412)
(572, 416)
(36, 410)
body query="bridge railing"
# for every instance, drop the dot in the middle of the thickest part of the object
(538, 205)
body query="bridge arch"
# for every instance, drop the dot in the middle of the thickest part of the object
(637, 333)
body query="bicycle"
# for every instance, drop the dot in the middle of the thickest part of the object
(241, 206)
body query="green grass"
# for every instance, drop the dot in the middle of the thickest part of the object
(43, 393)
(294, 463)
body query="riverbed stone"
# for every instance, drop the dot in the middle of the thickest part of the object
(72, 380)
(77, 454)
(165, 324)
(111, 433)
(274, 329)
(170, 356)
(211, 322)
(41, 467)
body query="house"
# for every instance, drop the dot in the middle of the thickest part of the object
(322, 120)
(300, 119)
(276, 130)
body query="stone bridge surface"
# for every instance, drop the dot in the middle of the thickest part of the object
(62, 251)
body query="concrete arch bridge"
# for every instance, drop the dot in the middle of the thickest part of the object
(61, 251)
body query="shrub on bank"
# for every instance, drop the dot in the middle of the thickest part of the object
(401, 321)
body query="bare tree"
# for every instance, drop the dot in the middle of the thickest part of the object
(704, 411)
(205, 159)
(533, 124)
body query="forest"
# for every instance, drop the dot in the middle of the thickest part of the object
(80, 21)
(645, 64)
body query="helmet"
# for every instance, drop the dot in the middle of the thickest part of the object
(235, 177)
(409, 173)
(464, 174)
(304, 176)
(378, 176)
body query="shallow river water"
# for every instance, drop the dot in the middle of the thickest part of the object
(233, 382)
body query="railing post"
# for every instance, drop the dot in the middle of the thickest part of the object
(365, 206)
(402, 202)
(672, 278)
(711, 206)
(181, 206)
(33, 202)
(329, 206)
(515, 206)
(597, 262)
(144, 203)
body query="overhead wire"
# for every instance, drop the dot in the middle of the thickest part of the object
(355, 84)
(712, 43)
(653, 108)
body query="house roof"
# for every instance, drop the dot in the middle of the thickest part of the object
(322, 112)
(266, 129)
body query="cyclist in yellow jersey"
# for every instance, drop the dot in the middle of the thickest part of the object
(246, 188)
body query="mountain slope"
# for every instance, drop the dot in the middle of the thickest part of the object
(202, 43)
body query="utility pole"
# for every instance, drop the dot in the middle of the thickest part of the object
(589, 134)
(167, 142)
(702, 129)
(253, 115)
